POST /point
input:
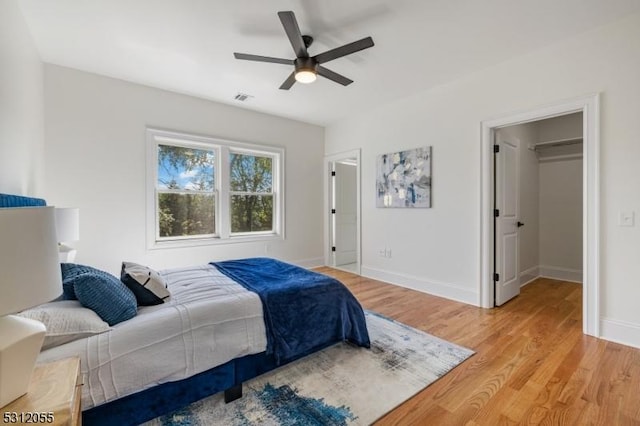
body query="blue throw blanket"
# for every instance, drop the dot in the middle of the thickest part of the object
(304, 311)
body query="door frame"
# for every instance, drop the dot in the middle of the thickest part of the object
(328, 194)
(589, 105)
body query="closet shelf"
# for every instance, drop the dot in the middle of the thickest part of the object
(555, 143)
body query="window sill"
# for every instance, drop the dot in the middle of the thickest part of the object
(198, 242)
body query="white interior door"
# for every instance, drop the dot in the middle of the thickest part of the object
(345, 216)
(507, 282)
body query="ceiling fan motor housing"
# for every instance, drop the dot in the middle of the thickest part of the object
(306, 64)
(307, 39)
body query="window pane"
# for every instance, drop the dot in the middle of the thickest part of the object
(251, 213)
(185, 168)
(251, 173)
(186, 214)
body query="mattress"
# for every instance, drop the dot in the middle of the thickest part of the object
(208, 320)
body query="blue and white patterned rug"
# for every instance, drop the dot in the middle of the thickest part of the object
(340, 385)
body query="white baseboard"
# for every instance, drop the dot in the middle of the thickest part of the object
(448, 291)
(309, 263)
(553, 272)
(623, 332)
(558, 273)
(529, 275)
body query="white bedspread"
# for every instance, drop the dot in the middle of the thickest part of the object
(208, 320)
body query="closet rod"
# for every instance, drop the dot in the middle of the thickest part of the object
(558, 142)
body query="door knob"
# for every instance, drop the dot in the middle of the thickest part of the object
(520, 224)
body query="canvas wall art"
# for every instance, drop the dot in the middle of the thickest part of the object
(403, 179)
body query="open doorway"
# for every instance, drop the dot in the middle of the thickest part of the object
(343, 207)
(588, 106)
(538, 203)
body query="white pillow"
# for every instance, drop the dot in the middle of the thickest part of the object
(146, 284)
(66, 320)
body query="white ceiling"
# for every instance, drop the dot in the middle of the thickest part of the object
(187, 45)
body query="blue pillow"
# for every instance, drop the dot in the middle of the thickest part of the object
(69, 272)
(9, 200)
(106, 296)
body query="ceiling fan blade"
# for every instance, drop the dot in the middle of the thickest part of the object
(258, 58)
(290, 25)
(345, 50)
(334, 76)
(289, 81)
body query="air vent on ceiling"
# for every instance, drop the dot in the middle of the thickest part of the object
(242, 97)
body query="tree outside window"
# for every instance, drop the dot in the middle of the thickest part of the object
(251, 193)
(186, 191)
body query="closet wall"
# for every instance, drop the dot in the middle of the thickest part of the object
(560, 199)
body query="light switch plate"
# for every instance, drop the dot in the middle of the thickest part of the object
(626, 218)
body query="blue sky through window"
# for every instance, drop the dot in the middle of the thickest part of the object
(185, 168)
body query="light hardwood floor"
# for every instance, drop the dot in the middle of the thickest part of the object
(532, 364)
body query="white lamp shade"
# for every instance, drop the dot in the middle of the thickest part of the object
(68, 224)
(29, 266)
(305, 76)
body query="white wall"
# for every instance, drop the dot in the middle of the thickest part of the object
(21, 111)
(95, 157)
(438, 249)
(564, 127)
(561, 219)
(528, 203)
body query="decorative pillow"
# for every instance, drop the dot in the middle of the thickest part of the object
(147, 285)
(69, 272)
(106, 296)
(9, 200)
(66, 321)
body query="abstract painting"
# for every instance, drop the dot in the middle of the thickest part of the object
(403, 179)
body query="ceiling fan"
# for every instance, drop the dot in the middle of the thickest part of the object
(306, 68)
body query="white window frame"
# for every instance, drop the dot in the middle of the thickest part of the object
(274, 168)
(222, 148)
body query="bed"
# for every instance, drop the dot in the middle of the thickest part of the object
(210, 336)
(223, 324)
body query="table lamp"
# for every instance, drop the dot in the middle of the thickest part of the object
(29, 276)
(68, 230)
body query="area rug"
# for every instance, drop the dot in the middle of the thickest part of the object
(340, 385)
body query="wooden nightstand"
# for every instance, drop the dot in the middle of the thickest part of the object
(53, 398)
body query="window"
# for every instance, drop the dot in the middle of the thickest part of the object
(186, 196)
(251, 179)
(207, 191)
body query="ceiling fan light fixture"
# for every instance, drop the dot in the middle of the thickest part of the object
(305, 76)
(306, 70)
